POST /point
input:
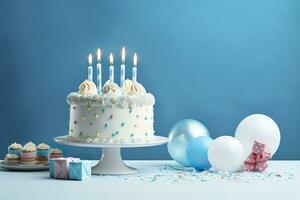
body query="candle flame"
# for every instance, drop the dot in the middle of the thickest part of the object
(111, 59)
(123, 55)
(90, 59)
(134, 59)
(99, 55)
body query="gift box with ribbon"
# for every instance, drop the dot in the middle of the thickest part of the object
(79, 170)
(59, 167)
(257, 160)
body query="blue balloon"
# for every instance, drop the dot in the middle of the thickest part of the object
(197, 152)
(181, 133)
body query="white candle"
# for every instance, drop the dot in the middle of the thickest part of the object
(134, 68)
(90, 68)
(99, 72)
(111, 68)
(122, 79)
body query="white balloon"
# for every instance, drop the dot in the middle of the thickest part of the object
(226, 153)
(260, 128)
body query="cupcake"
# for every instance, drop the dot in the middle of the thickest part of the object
(42, 152)
(56, 153)
(28, 153)
(15, 148)
(12, 158)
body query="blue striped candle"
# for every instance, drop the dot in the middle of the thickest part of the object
(134, 74)
(99, 78)
(99, 72)
(134, 68)
(122, 78)
(122, 81)
(111, 68)
(90, 68)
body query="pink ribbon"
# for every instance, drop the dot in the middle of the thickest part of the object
(61, 167)
(257, 160)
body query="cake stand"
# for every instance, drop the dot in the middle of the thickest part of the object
(111, 162)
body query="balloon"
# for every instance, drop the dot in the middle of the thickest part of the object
(181, 133)
(197, 152)
(226, 153)
(261, 128)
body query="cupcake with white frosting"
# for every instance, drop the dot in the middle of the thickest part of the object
(14, 148)
(12, 158)
(42, 153)
(28, 153)
(56, 153)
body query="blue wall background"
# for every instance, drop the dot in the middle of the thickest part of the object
(213, 60)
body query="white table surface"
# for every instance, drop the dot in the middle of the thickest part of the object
(158, 180)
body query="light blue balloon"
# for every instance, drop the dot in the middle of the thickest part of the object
(181, 133)
(197, 152)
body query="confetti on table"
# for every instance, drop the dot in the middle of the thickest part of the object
(178, 174)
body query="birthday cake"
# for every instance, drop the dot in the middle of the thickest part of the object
(111, 114)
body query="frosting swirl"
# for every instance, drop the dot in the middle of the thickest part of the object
(15, 146)
(29, 147)
(43, 146)
(128, 84)
(55, 151)
(88, 88)
(134, 88)
(11, 156)
(111, 88)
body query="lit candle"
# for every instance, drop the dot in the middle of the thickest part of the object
(122, 81)
(134, 68)
(111, 68)
(99, 71)
(90, 68)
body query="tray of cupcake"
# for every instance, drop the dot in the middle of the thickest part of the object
(29, 157)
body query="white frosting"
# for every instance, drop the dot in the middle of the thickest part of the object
(134, 88)
(11, 156)
(111, 100)
(55, 151)
(134, 95)
(113, 117)
(29, 147)
(105, 124)
(128, 84)
(15, 146)
(111, 88)
(87, 88)
(43, 146)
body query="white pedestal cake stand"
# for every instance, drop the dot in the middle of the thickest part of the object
(111, 162)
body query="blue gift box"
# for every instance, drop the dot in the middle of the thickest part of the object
(80, 170)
